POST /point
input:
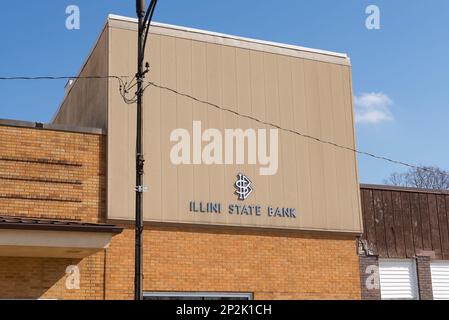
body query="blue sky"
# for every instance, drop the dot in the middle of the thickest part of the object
(400, 72)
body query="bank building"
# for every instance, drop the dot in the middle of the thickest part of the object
(218, 226)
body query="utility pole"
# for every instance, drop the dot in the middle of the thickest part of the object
(144, 21)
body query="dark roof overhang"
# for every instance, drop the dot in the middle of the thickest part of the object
(22, 223)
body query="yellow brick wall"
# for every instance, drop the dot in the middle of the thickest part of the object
(272, 265)
(52, 174)
(42, 173)
(45, 278)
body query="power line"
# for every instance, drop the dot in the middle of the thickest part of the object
(289, 130)
(63, 78)
(125, 87)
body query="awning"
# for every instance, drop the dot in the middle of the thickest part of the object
(29, 237)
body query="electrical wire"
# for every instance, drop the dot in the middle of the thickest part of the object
(62, 78)
(123, 86)
(369, 154)
(124, 90)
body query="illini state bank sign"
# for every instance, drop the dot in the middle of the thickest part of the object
(243, 190)
(262, 149)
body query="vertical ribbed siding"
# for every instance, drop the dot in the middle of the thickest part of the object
(398, 279)
(306, 95)
(440, 279)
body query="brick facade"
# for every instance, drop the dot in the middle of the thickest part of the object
(44, 278)
(424, 277)
(54, 174)
(369, 278)
(57, 175)
(272, 265)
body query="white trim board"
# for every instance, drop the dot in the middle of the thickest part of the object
(226, 39)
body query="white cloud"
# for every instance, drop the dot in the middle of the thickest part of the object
(373, 108)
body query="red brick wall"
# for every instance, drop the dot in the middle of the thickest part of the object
(369, 278)
(424, 277)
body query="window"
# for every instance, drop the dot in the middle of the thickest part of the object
(398, 280)
(196, 296)
(440, 279)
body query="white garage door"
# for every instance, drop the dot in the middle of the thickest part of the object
(398, 279)
(440, 279)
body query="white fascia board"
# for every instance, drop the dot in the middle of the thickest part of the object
(227, 36)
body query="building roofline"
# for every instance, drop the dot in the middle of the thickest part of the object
(232, 37)
(305, 50)
(49, 126)
(402, 189)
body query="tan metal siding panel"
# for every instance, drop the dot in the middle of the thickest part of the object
(316, 151)
(200, 111)
(287, 149)
(184, 117)
(121, 131)
(214, 120)
(258, 107)
(351, 162)
(340, 136)
(169, 185)
(291, 92)
(244, 106)
(229, 99)
(152, 133)
(271, 77)
(303, 145)
(328, 133)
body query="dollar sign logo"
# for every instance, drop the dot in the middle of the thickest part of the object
(243, 186)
